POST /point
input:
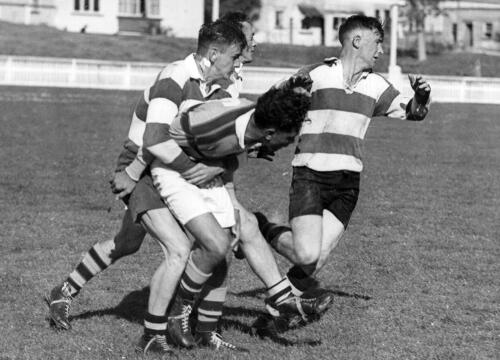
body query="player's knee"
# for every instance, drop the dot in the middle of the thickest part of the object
(306, 255)
(180, 254)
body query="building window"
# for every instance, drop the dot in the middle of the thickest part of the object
(154, 7)
(454, 32)
(278, 24)
(488, 31)
(86, 5)
(139, 7)
(377, 15)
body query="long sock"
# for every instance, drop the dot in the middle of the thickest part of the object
(210, 309)
(279, 291)
(192, 281)
(300, 278)
(154, 324)
(270, 231)
(94, 262)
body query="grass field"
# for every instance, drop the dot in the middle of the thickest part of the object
(416, 277)
(45, 41)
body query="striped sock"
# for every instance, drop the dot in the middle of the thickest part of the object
(272, 232)
(279, 291)
(300, 278)
(154, 324)
(94, 262)
(210, 309)
(192, 281)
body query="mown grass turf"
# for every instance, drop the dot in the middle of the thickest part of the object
(45, 41)
(416, 276)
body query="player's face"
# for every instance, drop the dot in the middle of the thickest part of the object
(370, 47)
(281, 139)
(247, 53)
(224, 62)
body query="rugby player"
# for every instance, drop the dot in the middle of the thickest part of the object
(215, 130)
(192, 79)
(346, 94)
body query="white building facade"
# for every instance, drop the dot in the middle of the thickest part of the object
(176, 18)
(313, 22)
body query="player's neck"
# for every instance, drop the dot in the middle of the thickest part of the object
(203, 65)
(352, 68)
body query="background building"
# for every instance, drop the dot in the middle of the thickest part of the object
(313, 22)
(467, 24)
(178, 18)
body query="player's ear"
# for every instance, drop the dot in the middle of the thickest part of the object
(356, 41)
(212, 54)
(269, 133)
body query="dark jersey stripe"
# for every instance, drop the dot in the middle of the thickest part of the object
(155, 134)
(141, 108)
(330, 143)
(338, 99)
(229, 116)
(384, 102)
(167, 89)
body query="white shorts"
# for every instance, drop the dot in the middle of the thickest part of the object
(187, 201)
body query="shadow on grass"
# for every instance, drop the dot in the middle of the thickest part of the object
(132, 308)
(260, 293)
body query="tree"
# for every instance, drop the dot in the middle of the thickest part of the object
(249, 7)
(417, 12)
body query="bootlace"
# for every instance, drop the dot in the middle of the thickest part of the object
(186, 311)
(66, 298)
(162, 341)
(216, 340)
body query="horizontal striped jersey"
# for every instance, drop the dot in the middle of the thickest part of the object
(178, 86)
(339, 117)
(213, 130)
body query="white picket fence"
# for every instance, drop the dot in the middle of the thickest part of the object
(82, 73)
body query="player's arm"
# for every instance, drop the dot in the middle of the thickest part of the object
(165, 98)
(392, 104)
(228, 179)
(419, 105)
(122, 182)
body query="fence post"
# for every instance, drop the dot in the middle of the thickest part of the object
(463, 88)
(127, 76)
(72, 72)
(8, 70)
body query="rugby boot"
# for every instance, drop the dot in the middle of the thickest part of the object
(153, 344)
(178, 325)
(59, 301)
(214, 341)
(295, 311)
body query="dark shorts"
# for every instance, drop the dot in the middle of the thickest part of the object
(144, 197)
(313, 191)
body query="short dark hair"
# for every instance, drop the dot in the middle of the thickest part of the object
(221, 33)
(282, 109)
(359, 22)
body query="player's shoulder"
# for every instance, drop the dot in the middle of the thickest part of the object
(378, 79)
(177, 70)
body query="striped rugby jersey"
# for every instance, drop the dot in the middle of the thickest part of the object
(333, 139)
(178, 86)
(212, 130)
